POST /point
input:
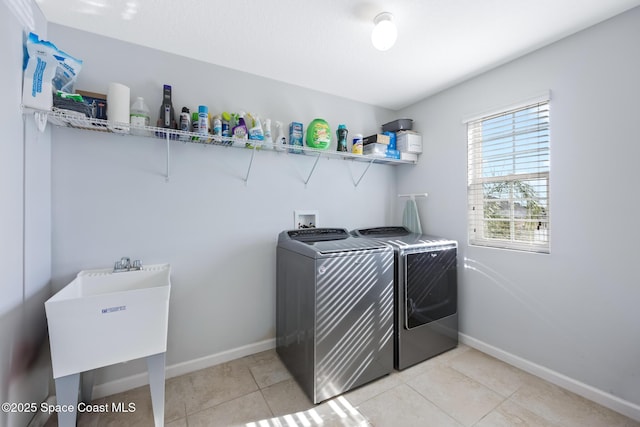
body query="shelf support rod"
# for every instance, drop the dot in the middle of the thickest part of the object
(312, 170)
(41, 120)
(167, 177)
(356, 183)
(253, 153)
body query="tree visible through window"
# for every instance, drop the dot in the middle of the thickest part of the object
(508, 179)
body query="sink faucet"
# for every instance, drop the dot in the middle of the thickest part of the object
(125, 265)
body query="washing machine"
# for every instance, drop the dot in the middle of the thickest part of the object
(425, 293)
(334, 309)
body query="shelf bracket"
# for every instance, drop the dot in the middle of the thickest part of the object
(306, 181)
(167, 176)
(40, 118)
(253, 153)
(357, 182)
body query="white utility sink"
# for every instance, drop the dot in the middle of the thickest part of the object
(104, 317)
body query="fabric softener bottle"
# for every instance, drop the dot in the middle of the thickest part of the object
(341, 133)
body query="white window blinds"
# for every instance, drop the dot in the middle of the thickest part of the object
(508, 178)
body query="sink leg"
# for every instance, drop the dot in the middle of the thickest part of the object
(87, 386)
(155, 367)
(67, 394)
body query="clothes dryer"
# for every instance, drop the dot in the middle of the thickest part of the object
(425, 293)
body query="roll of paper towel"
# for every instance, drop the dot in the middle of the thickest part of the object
(118, 101)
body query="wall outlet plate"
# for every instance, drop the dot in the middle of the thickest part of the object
(306, 219)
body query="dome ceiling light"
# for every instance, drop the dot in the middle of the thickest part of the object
(384, 32)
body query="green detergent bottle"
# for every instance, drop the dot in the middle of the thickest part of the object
(319, 134)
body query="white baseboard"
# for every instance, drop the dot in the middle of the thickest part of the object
(608, 400)
(138, 380)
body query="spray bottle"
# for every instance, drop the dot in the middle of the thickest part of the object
(281, 139)
(268, 139)
(240, 131)
(256, 133)
(217, 126)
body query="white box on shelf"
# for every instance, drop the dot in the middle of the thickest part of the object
(411, 157)
(375, 149)
(409, 142)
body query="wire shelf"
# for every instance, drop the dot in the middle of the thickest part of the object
(67, 118)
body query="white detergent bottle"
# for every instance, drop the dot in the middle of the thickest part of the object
(268, 139)
(139, 116)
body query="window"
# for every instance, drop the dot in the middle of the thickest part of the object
(508, 178)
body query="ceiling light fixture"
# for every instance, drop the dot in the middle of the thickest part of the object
(384, 33)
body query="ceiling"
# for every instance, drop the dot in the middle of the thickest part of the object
(325, 44)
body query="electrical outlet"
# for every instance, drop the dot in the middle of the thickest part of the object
(305, 219)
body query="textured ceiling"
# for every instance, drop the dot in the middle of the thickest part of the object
(325, 44)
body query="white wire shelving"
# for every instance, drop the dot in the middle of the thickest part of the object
(63, 118)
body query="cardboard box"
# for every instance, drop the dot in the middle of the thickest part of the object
(409, 142)
(376, 139)
(296, 132)
(97, 102)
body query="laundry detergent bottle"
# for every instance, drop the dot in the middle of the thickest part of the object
(139, 116)
(319, 134)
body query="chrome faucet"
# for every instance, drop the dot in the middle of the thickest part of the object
(125, 265)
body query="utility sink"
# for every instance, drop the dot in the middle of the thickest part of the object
(104, 317)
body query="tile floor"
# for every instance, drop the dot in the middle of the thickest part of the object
(462, 387)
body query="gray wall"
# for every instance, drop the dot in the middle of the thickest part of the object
(111, 198)
(25, 225)
(573, 311)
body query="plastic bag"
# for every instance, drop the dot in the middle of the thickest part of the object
(67, 70)
(47, 70)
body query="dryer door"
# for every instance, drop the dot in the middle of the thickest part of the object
(430, 286)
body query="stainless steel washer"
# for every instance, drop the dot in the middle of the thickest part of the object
(426, 293)
(334, 309)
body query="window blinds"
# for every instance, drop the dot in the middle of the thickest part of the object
(508, 178)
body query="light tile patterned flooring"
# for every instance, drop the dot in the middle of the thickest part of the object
(462, 387)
